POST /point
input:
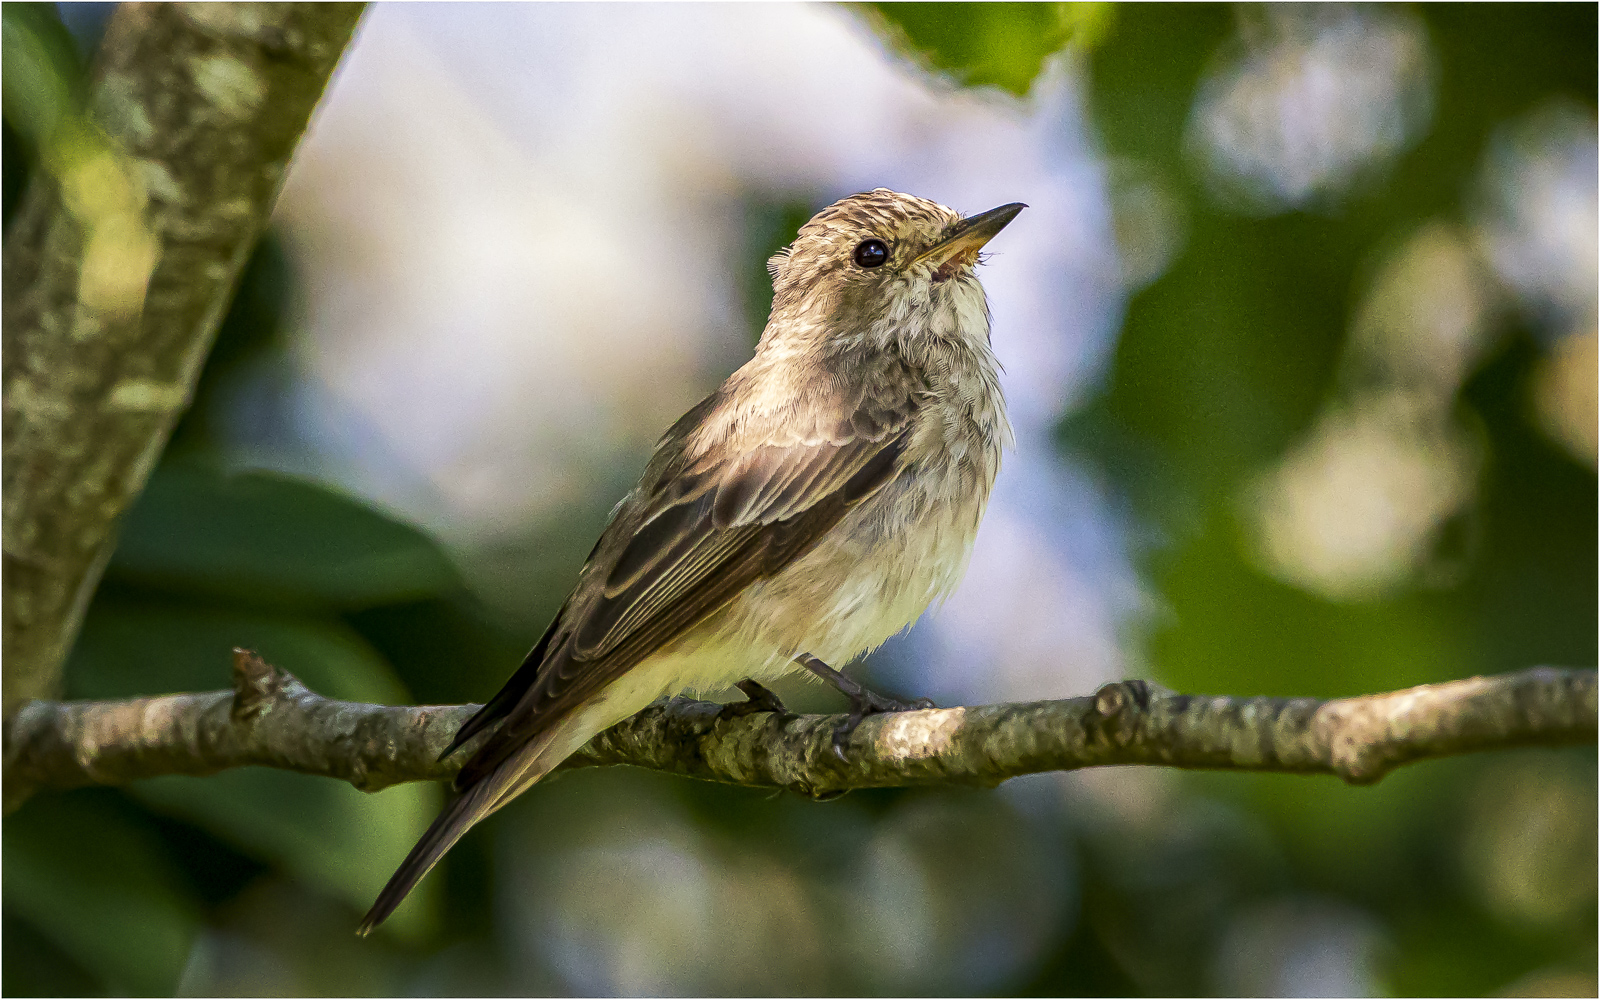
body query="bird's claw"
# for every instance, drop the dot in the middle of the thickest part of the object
(757, 699)
(863, 702)
(871, 703)
(841, 736)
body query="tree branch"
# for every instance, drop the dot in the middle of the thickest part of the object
(118, 268)
(271, 719)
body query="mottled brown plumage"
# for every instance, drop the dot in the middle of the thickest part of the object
(815, 503)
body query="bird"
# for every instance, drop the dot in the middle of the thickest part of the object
(813, 505)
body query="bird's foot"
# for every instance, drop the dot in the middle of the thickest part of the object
(863, 702)
(757, 699)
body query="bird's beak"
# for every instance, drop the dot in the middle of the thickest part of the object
(962, 244)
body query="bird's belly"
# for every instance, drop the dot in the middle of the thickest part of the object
(856, 588)
(869, 578)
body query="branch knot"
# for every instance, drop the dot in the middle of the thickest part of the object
(257, 686)
(1113, 698)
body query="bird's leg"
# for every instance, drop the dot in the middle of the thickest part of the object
(757, 699)
(863, 702)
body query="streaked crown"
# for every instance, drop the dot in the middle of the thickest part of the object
(828, 245)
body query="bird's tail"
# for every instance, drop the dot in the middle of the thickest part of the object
(500, 786)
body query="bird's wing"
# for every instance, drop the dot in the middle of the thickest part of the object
(695, 533)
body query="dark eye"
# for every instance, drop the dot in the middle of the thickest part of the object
(871, 253)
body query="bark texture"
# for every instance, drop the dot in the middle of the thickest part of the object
(269, 718)
(118, 268)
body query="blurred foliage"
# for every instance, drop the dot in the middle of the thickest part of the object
(42, 72)
(103, 889)
(43, 80)
(990, 44)
(771, 222)
(1224, 361)
(1459, 877)
(250, 534)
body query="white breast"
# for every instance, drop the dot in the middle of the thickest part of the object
(899, 551)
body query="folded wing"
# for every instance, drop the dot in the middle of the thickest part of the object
(684, 545)
(704, 523)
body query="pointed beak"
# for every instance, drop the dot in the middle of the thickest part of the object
(969, 235)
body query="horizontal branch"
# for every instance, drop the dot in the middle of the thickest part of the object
(271, 719)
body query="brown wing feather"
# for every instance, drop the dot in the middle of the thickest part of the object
(691, 544)
(691, 539)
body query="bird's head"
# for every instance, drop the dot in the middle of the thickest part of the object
(880, 261)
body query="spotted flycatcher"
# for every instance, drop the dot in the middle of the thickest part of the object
(812, 506)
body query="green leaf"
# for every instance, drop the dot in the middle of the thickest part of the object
(130, 648)
(36, 967)
(336, 840)
(1231, 628)
(998, 44)
(258, 536)
(42, 72)
(101, 889)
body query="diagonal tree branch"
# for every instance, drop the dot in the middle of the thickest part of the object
(271, 719)
(118, 267)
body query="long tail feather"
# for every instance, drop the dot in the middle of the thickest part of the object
(490, 789)
(513, 775)
(457, 818)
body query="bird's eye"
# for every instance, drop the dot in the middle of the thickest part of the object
(871, 253)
